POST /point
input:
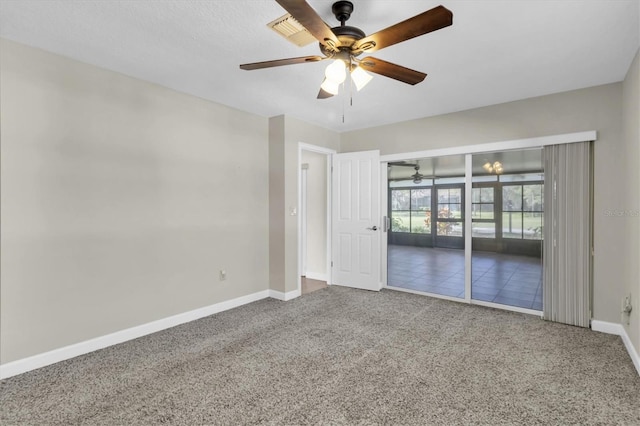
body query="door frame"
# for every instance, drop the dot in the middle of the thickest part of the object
(328, 153)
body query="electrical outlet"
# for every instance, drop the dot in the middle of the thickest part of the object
(627, 307)
(223, 275)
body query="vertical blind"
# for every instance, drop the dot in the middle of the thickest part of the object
(567, 233)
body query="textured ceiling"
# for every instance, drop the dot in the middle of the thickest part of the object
(496, 51)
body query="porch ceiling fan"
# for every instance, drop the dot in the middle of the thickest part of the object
(345, 43)
(417, 176)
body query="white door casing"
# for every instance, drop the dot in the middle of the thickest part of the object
(357, 226)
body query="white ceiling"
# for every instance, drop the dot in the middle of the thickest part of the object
(496, 51)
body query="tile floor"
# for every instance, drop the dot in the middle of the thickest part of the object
(308, 285)
(499, 278)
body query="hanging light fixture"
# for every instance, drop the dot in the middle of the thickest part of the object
(330, 86)
(360, 77)
(495, 167)
(336, 71)
(336, 74)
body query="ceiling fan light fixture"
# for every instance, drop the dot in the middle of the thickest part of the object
(330, 86)
(336, 71)
(360, 77)
(495, 167)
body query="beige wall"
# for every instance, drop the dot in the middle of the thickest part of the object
(630, 157)
(277, 209)
(316, 212)
(297, 131)
(597, 108)
(285, 135)
(120, 202)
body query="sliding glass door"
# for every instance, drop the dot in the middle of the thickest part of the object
(428, 227)
(506, 210)
(426, 236)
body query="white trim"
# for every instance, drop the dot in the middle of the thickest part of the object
(316, 276)
(315, 148)
(507, 307)
(274, 294)
(329, 269)
(607, 327)
(51, 357)
(329, 157)
(590, 135)
(424, 293)
(619, 330)
(303, 221)
(468, 225)
(384, 210)
(472, 302)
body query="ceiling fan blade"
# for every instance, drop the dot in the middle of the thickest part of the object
(390, 70)
(280, 62)
(426, 22)
(303, 13)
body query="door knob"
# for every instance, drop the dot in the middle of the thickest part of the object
(373, 228)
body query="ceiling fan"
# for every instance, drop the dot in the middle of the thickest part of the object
(416, 177)
(345, 43)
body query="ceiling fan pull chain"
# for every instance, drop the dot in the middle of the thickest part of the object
(343, 105)
(350, 83)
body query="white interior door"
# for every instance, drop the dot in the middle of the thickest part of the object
(356, 220)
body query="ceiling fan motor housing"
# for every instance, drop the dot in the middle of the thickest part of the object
(342, 10)
(347, 35)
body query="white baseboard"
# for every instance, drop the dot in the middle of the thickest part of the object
(47, 358)
(618, 329)
(284, 296)
(316, 276)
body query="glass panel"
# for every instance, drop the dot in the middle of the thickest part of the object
(421, 222)
(455, 195)
(409, 183)
(506, 257)
(444, 212)
(532, 198)
(449, 180)
(455, 211)
(522, 177)
(420, 261)
(532, 226)
(421, 199)
(492, 178)
(476, 211)
(512, 198)
(400, 199)
(400, 221)
(450, 229)
(487, 195)
(512, 225)
(486, 211)
(484, 229)
(475, 195)
(443, 196)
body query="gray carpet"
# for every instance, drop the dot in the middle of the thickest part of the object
(341, 356)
